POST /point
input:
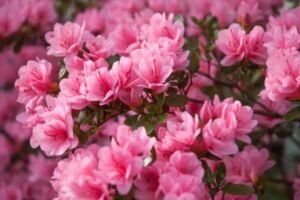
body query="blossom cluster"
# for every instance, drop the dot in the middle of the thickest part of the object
(149, 99)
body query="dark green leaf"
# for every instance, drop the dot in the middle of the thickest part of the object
(176, 100)
(208, 175)
(112, 59)
(237, 189)
(293, 114)
(132, 120)
(220, 173)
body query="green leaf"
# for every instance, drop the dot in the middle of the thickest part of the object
(293, 114)
(208, 175)
(238, 189)
(176, 100)
(112, 59)
(132, 120)
(220, 173)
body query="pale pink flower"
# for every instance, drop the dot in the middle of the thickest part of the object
(34, 82)
(247, 166)
(84, 181)
(137, 142)
(66, 39)
(256, 52)
(93, 19)
(55, 135)
(232, 42)
(282, 76)
(280, 38)
(119, 167)
(102, 86)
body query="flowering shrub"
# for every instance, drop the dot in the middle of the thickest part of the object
(149, 99)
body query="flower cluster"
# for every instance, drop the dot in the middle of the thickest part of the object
(149, 99)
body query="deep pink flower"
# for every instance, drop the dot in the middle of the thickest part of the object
(232, 42)
(55, 135)
(34, 82)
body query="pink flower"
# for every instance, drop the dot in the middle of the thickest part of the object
(171, 6)
(102, 86)
(34, 82)
(41, 12)
(84, 181)
(12, 16)
(136, 142)
(55, 135)
(40, 167)
(146, 183)
(5, 152)
(154, 71)
(223, 122)
(281, 107)
(98, 47)
(247, 166)
(248, 12)
(280, 38)
(71, 91)
(256, 52)
(119, 167)
(180, 133)
(232, 42)
(168, 35)
(93, 19)
(10, 192)
(66, 39)
(282, 76)
(130, 92)
(125, 38)
(185, 173)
